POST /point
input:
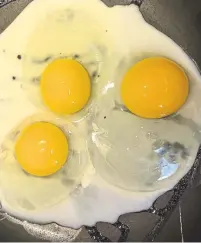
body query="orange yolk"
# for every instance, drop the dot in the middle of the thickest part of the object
(41, 149)
(65, 86)
(154, 88)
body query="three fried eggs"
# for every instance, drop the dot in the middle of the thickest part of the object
(145, 157)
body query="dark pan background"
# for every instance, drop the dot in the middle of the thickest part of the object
(169, 219)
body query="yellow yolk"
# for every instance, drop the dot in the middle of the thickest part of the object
(154, 88)
(41, 149)
(65, 86)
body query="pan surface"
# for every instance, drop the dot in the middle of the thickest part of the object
(181, 21)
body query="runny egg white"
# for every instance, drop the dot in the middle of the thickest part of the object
(146, 155)
(125, 161)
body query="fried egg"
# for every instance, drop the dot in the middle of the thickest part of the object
(129, 160)
(32, 153)
(155, 79)
(66, 51)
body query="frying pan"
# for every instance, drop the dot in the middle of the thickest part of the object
(176, 215)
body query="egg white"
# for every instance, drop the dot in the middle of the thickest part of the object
(141, 155)
(121, 37)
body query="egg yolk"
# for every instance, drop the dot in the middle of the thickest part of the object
(65, 86)
(41, 149)
(154, 88)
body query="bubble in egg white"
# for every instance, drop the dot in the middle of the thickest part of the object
(23, 192)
